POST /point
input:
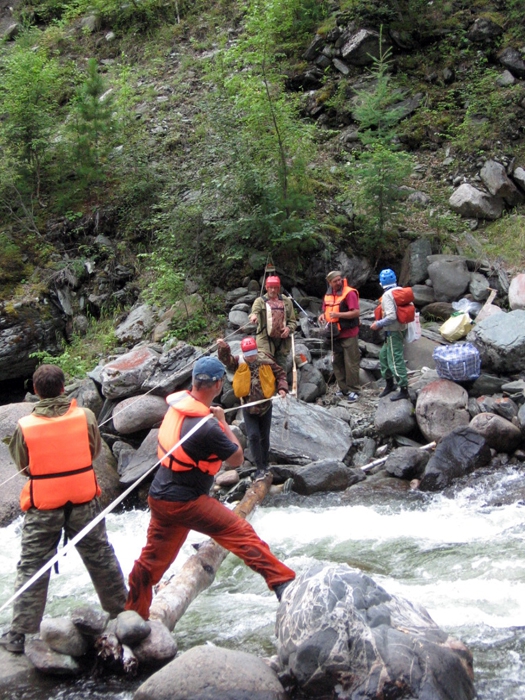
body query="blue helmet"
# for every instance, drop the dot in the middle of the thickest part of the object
(387, 278)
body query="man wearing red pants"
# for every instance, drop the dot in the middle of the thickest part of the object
(178, 496)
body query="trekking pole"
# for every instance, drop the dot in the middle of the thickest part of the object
(80, 535)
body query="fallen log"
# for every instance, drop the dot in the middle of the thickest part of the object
(198, 572)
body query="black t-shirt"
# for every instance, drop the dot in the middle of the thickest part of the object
(169, 485)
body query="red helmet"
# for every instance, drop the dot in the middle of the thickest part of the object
(273, 281)
(248, 346)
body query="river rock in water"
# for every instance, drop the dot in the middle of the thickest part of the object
(340, 635)
(213, 673)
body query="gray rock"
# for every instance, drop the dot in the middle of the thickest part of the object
(86, 394)
(105, 466)
(517, 292)
(303, 433)
(441, 406)
(450, 277)
(499, 433)
(139, 413)
(423, 294)
(479, 286)
(498, 183)
(472, 203)
(173, 370)
(238, 319)
(12, 481)
(89, 621)
(12, 31)
(141, 461)
(311, 383)
(138, 324)
(16, 671)
(158, 647)
(521, 418)
(361, 48)
(131, 628)
(506, 408)
(62, 636)
(505, 79)
(394, 417)
(487, 384)
(414, 268)
(460, 452)
(213, 673)
(324, 475)
(484, 30)
(420, 354)
(511, 59)
(407, 462)
(125, 375)
(50, 662)
(339, 635)
(90, 23)
(519, 177)
(500, 340)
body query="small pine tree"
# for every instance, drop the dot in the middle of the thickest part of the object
(93, 126)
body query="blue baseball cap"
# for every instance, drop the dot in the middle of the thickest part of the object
(208, 368)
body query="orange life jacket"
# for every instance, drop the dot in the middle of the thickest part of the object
(60, 468)
(405, 309)
(332, 303)
(183, 405)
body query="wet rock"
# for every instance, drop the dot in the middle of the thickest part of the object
(500, 340)
(125, 375)
(441, 406)
(213, 673)
(51, 662)
(394, 417)
(407, 462)
(131, 628)
(105, 466)
(324, 475)
(16, 671)
(157, 648)
(499, 433)
(460, 452)
(139, 413)
(517, 292)
(303, 433)
(62, 636)
(471, 203)
(340, 635)
(89, 621)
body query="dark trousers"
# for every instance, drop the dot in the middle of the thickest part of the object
(169, 526)
(258, 434)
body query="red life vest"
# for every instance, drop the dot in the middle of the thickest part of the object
(182, 405)
(405, 309)
(332, 303)
(60, 468)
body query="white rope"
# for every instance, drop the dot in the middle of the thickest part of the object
(71, 543)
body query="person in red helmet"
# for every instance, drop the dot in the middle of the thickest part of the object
(256, 377)
(275, 318)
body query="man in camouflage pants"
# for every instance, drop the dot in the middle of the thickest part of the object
(59, 496)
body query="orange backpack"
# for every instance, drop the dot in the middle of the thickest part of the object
(405, 311)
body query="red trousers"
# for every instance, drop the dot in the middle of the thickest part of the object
(168, 528)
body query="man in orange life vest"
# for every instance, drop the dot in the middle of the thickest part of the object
(55, 446)
(255, 379)
(178, 497)
(341, 308)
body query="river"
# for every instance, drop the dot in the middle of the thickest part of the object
(456, 554)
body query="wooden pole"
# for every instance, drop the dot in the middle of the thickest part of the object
(198, 572)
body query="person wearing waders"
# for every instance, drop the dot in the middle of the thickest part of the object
(391, 358)
(255, 378)
(178, 497)
(276, 322)
(55, 447)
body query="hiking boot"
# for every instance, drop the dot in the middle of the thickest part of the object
(401, 394)
(389, 388)
(260, 474)
(280, 588)
(13, 641)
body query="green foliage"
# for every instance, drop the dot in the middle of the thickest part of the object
(29, 98)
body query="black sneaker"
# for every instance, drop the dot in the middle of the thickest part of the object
(13, 642)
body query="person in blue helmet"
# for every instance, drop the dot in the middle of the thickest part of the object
(393, 367)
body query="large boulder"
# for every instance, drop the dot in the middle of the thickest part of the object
(303, 433)
(441, 406)
(213, 673)
(414, 268)
(138, 324)
(458, 453)
(499, 184)
(450, 276)
(361, 48)
(517, 292)
(407, 462)
(139, 413)
(340, 635)
(125, 375)
(500, 340)
(173, 370)
(499, 433)
(141, 461)
(12, 481)
(471, 203)
(324, 475)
